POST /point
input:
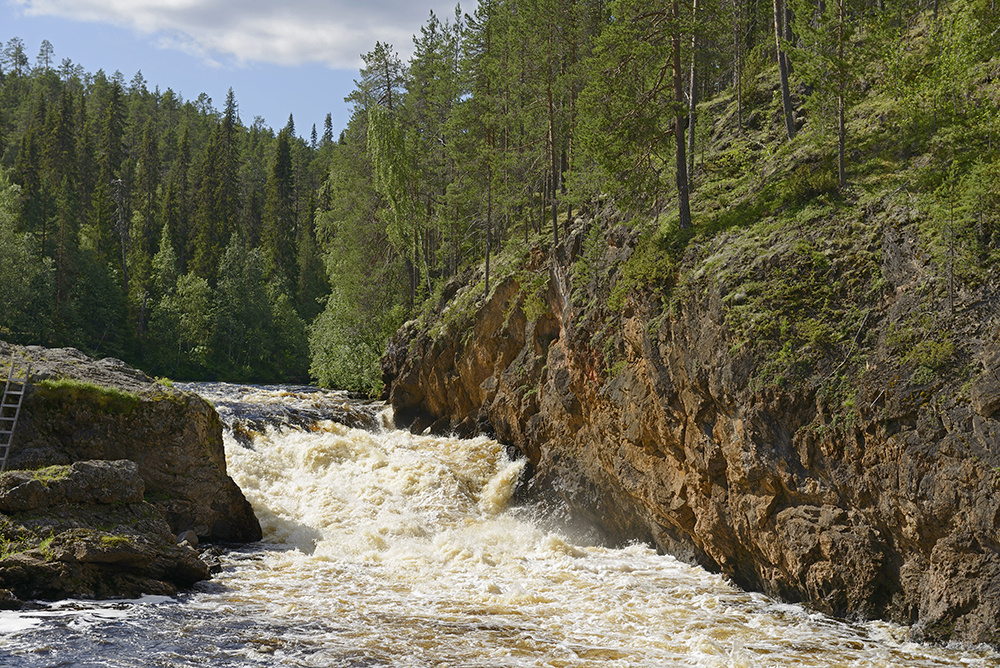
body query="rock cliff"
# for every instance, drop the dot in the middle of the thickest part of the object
(808, 409)
(84, 530)
(107, 466)
(78, 408)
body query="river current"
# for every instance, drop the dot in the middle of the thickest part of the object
(382, 548)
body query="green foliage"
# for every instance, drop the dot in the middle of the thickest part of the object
(347, 341)
(26, 284)
(256, 331)
(650, 268)
(535, 291)
(808, 182)
(628, 103)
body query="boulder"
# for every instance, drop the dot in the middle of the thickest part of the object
(78, 408)
(83, 530)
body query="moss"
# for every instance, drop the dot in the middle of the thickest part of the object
(83, 393)
(50, 474)
(114, 541)
(535, 305)
(931, 353)
(652, 267)
(11, 546)
(45, 547)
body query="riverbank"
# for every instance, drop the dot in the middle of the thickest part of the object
(107, 468)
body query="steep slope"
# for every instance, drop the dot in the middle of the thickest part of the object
(788, 401)
(802, 391)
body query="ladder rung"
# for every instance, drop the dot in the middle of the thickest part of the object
(10, 403)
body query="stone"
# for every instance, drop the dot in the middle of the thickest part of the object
(882, 505)
(76, 409)
(187, 538)
(91, 535)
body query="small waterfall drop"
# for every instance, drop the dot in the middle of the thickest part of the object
(383, 548)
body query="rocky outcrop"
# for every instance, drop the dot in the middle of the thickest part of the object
(106, 468)
(84, 530)
(800, 411)
(78, 409)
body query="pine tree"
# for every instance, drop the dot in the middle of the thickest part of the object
(217, 204)
(279, 220)
(635, 104)
(328, 130)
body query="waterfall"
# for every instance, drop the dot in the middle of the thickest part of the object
(383, 548)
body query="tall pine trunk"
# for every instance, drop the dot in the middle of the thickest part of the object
(786, 97)
(693, 88)
(841, 86)
(684, 206)
(738, 61)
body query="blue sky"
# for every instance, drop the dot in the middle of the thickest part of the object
(280, 57)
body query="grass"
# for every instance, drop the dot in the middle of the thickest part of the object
(50, 474)
(84, 393)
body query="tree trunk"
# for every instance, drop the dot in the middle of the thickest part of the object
(553, 185)
(841, 127)
(738, 61)
(786, 97)
(692, 88)
(489, 226)
(684, 206)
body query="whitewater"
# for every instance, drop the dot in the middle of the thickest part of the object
(384, 548)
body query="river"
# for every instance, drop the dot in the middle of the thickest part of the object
(383, 548)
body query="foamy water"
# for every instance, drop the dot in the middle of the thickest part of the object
(388, 549)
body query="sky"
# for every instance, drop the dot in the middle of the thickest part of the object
(280, 57)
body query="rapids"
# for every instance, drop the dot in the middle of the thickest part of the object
(383, 548)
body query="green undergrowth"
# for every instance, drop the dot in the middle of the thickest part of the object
(50, 474)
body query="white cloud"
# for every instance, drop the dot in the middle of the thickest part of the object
(284, 32)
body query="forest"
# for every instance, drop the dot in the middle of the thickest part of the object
(173, 235)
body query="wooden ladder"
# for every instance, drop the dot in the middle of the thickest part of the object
(10, 406)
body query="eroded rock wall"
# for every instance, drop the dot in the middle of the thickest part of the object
(656, 421)
(84, 530)
(174, 437)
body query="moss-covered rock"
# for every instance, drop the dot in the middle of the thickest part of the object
(78, 408)
(84, 530)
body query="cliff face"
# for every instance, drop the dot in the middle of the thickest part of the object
(106, 468)
(802, 413)
(76, 410)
